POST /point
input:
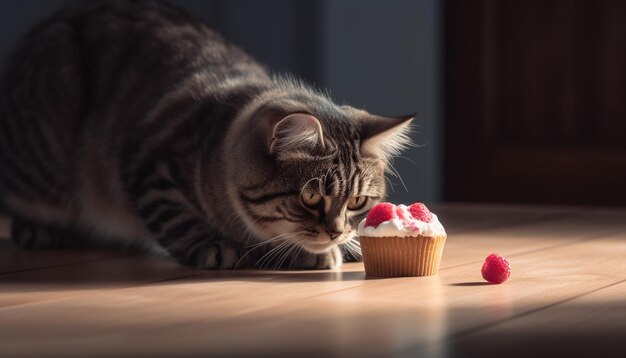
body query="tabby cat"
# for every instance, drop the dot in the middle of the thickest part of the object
(133, 121)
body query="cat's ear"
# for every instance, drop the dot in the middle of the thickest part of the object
(296, 134)
(385, 137)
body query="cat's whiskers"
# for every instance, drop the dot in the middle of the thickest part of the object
(258, 245)
(325, 176)
(261, 261)
(278, 254)
(231, 217)
(353, 247)
(274, 251)
(390, 184)
(307, 183)
(268, 257)
(281, 254)
(247, 234)
(368, 166)
(355, 250)
(351, 244)
(408, 159)
(295, 256)
(264, 242)
(330, 173)
(295, 245)
(395, 173)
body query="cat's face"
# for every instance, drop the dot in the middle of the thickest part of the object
(317, 203)
(308, 179)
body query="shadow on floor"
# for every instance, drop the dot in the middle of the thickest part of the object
(60, 270)
(470, 284)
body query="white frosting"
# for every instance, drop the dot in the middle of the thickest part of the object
(403, 228)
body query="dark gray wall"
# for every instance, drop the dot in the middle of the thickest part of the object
(384, 56)
(379, 55)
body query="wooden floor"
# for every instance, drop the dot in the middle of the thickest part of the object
(566, 297)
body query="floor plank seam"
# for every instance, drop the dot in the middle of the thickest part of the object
(530, 312)
(462, 334)
(77, 263)
(88, 293)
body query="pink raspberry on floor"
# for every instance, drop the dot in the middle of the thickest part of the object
(496, 269)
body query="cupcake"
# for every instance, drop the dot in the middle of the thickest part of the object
(401, 241)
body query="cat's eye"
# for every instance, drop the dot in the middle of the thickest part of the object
(311, 200)
(357, 202)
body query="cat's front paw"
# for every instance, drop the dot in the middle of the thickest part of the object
(330, 260)
(216, 255)
(309, 261)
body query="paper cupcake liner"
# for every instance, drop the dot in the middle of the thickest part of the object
(402, 256)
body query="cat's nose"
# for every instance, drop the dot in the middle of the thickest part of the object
(334, 227)
(333, 234)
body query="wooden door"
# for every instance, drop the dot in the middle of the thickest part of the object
(535, 101)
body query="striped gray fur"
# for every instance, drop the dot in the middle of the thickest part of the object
(131, 121)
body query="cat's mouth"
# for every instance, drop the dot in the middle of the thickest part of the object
(318, 247)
